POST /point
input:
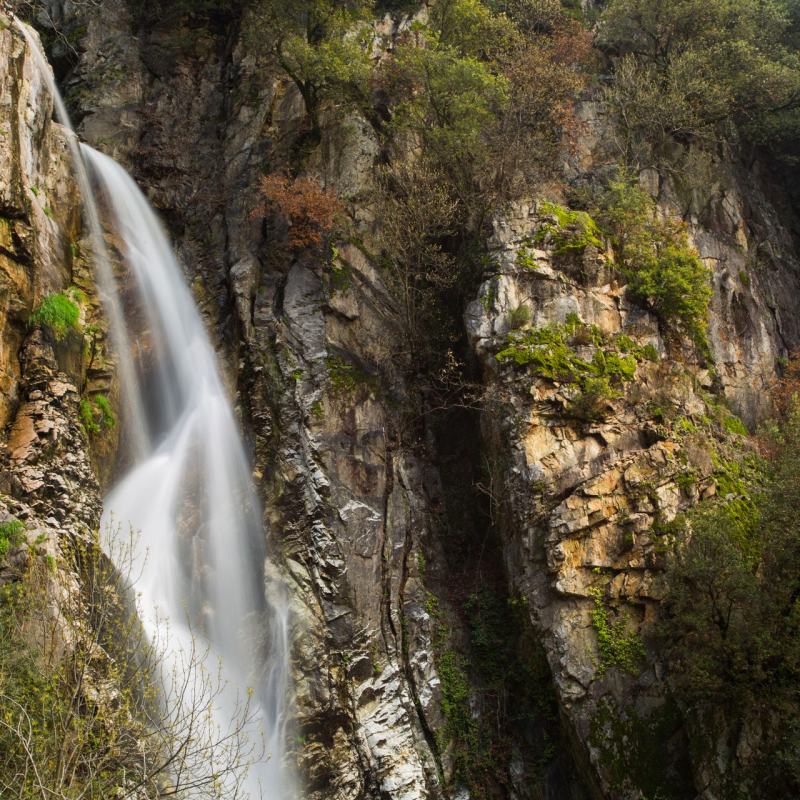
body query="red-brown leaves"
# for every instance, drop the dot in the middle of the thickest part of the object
(310, 211)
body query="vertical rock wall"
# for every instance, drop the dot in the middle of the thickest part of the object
(590, 499)
(47, 480)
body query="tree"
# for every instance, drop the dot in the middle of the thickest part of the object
(713, 589)
(488, 96)
(310, 212)
(451, 103)
(732, 619)
(664, 273)
(92, 708)
(546, 70)
(687, 65)
(323, 46)
(417, 212)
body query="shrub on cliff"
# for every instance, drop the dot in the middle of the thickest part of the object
(58, 312)
(309, 212)
(663, 271)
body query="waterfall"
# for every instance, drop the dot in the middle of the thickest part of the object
(134, 413)
(201, 545)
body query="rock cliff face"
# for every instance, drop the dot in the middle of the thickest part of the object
(46, 478)
(357, 486)
(589, 498)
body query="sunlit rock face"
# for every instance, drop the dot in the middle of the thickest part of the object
(591, 499)
(40, 207)
(47, 480)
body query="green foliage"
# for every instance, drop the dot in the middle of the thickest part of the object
(488, 619)
(733, 623)
(689, 64)
(674, 283)
(451, 101)
(686, 480)
(482, 95)
(87, 415)
(650, 352)
(518, 317)
(525, 259)
(11, 534)
(712, 583)
(735, 425)
(618, 646)
(58, 312)
(340, 272)
(663, 272)
(487, 95)
(109, 420)
(573, 232)
(550, 352)
(470, 28)
(323, 46)
(459, 724)
(625, 344)
(503, 662)
(591, 401)
(87, 418)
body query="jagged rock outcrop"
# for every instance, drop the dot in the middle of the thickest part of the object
(590, 496)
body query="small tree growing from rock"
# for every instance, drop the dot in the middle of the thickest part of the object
(309, 211)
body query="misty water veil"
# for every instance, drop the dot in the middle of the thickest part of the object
(200, 545)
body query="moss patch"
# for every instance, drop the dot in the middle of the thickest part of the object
(643, 757)
(551, 352)
(572, 232)
(58, 312)
(347, 377)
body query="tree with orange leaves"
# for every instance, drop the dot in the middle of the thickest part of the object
(309, 211)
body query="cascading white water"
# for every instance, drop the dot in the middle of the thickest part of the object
(189, 494)
(105, 274)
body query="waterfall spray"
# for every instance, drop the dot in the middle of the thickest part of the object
(189, 492)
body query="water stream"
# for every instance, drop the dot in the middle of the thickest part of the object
(201, 541)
